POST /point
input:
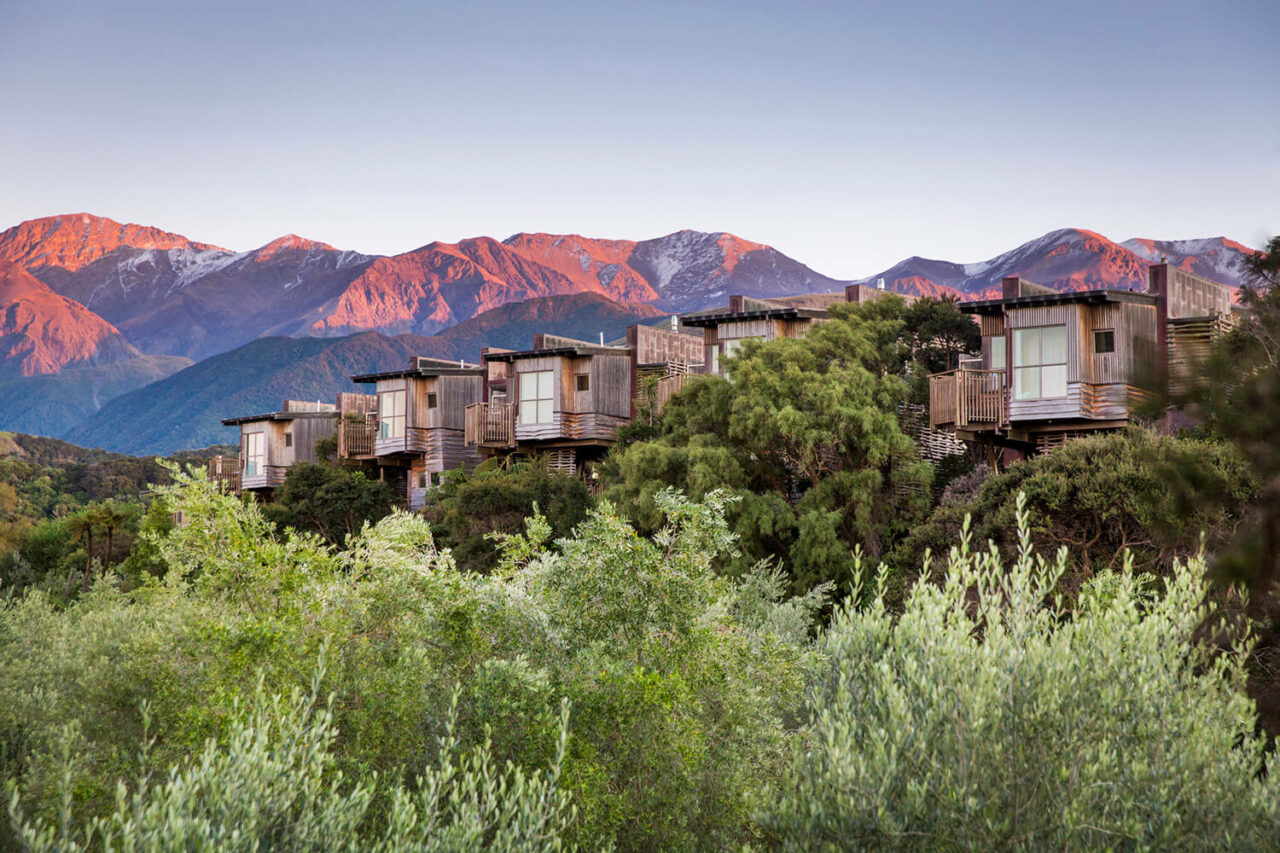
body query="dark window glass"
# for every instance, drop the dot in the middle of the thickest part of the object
(584, 381)
(1104, 341)
(431, 401)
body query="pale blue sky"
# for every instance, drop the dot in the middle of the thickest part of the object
(849, 135)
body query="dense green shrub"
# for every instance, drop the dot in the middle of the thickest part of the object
(273, 786)
(1100, 497)
(497, 498)
(681, 682)
(988, 716)
(329, 499)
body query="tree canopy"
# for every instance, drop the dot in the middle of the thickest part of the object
(804, 432)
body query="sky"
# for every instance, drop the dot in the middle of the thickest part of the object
(848, 135)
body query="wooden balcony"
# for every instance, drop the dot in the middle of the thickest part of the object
(967, 399)
(356, 437)
(490, 424)
(225, 471)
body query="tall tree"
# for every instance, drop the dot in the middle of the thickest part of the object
(805, 432)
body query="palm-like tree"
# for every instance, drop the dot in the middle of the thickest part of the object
(112, 517)
(82, 526)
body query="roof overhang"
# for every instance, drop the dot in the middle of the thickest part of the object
(418, 373)
(276, 416)
(1080, 297)
(557, 352)
(715, 319)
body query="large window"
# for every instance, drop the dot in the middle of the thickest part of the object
(732, 345)
(255, 454)
(1040, 363)
(536, 397)
(391, 414)
(997, 352)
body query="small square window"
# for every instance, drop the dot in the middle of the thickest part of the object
(1104, 341)
(432, 401)
(583, 381)
(288, 439)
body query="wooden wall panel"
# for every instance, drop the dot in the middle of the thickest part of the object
(652, 345)
(307, 432)
(611, 386)
(1193, 296)
(455, 393)
(1054, 407)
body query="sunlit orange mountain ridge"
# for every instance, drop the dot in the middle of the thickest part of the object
(173, 296)
(42, 332)
(75, 240)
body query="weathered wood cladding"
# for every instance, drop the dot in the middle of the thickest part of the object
(593, 413)
(272, 471)
(1189, 295)
(651, 345)
(434, 432)
(307, 432)
(1099, 385)
(1191, 340)
(990, 324)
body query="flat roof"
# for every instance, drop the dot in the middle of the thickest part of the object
(420, 372)
(715, 318)
(277, 416)
(575, 352)
(998, 306)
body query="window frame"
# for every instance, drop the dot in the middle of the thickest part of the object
(391, 424)
(433, 400)
(1111, 333)
(1003, 349)
(581, 382)
(539, 408)
(258, 459)
(1025, 369)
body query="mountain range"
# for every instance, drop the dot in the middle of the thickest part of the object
(101, 323)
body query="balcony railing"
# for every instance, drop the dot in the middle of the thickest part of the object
(490, 423)
(356, 437)
(967, 399)
(225, 471)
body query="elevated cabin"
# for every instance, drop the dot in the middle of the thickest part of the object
(270, 443)
(747, 318)
(1055, 364)
(418, 422)
(566, 399)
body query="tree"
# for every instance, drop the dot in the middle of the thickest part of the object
(497, 498)
(1234, 396)
(804, 431)
(112, 517)
(936, 334)
(1262, 268)
(82, 526)
(329, 499)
